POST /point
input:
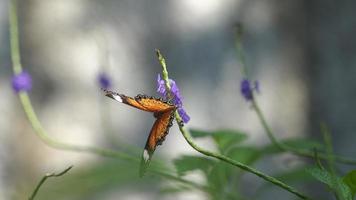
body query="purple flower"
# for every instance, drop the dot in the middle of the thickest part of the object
(247, 89)
(104, 81)
(161, 87)
(22, 82)
(176, 96)
(183, 114)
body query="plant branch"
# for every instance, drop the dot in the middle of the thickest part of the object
(40, 131)
(44, 178)
(218, 156)
(300, 152)
(268, 130)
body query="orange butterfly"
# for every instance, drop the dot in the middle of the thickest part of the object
(163, 112)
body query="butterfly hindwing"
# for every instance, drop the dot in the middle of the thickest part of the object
(157, 135)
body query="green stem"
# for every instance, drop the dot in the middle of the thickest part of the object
(284, 147)
(40, 131)
(44, 178)
(14, 37)
(331, 161)
(242, 166)
(300, 152)
(239, 49)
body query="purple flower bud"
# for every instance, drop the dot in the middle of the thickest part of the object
(176, 96)
(22, 82)
(104, 81)
(183, 114)
(161, 87)
(246, 89)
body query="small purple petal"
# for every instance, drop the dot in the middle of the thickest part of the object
(22, 82)
(104, 81)
(246, 89)
(185, 117)
(176, 96)
(161, 87)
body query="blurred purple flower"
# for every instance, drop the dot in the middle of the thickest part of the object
(104, 81)
(161, 87)
(22, 82)
(183, 114)
(247, 89)
(176, 96)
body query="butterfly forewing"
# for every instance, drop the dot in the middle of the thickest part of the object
(141, 102)
(154, 104)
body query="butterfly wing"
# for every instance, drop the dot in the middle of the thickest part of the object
(157, 135)
(162, 110)
(142, 102)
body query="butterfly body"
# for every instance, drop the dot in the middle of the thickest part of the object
(163, 112)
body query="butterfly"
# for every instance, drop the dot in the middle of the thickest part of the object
(162, 110)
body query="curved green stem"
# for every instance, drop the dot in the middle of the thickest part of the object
(44, 178)
(40, 131)
(273, 139)
(240, 165)
(300, 152)
(14, 37)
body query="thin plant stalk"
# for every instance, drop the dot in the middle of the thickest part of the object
(44, 178)
(187, 136)
(40, 131)
(266, 127)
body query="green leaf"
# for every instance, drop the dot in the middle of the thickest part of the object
(297, 143)
(224, 138)
(335, 183)
(295, 175)
(174, 189)
(244, 154)
(200, 133)
(188, 163)
(93, 181)
(350, 180)
(218, 177)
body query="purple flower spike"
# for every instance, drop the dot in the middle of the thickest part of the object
(104, 81)
(161, 87)
(176, 96)
(183, 114)
(22, 82)
(246, 89)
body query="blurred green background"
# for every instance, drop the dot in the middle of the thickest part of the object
(302, 52)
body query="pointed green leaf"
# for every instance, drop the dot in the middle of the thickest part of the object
(244, 154)
(350, 180)
(336, 184)
(188, 163)
(298, 143)
(223, 138)
(218, 177)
